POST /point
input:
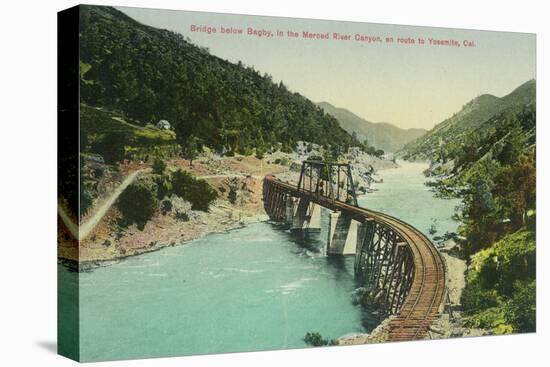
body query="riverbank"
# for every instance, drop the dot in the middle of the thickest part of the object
(108, 240)
(105, 240)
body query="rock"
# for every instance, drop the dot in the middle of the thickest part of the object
(296, 166)
(457, 332)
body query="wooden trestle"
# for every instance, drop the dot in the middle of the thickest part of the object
(393, 259)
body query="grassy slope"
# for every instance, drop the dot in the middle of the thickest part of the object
(142, 142)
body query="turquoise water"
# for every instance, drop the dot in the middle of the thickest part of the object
(403, 194)
(250, 289)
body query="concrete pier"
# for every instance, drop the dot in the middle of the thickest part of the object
(342, 234)
(306, 218)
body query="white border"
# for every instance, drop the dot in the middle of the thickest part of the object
(28, 184)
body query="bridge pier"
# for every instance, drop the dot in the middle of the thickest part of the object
(342, 234)
(290, 207)
(307, 218)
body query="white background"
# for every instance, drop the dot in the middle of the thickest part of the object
(28, 183)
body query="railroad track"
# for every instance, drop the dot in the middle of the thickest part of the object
(421, 306)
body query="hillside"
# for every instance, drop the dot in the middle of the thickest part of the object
(381, 135)
(471, 116)
(144, 74)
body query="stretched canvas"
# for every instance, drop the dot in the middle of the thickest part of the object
(233, 183)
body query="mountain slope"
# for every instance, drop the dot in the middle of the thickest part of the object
(148, 74)
(382, 135)
(472, 115)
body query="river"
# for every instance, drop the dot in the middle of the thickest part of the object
(250, 289)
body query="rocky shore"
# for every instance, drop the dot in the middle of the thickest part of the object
(109, 242)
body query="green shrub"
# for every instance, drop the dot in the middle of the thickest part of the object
(260, 152)
(184, 217)
(500, 292)
(201, 195)
(181, 182)
(521, 309)
(493, 318)
(197, 192)
(137, 204)
(287, 148)
(163, 186)
(232, 196)
(166, 206)
(315, 339)
(158, 166)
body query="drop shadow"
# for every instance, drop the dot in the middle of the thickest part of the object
(48, 345)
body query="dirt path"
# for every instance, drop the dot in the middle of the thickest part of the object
(95, 218)
(89, 225)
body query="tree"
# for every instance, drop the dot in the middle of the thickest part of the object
(190, 149)
(515, 190)
(479, 213)
(204, 99)
(111, 147)
(513, 144)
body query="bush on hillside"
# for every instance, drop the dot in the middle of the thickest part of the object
(137, 204)
(158, 166)
(500, 293)
(198, 192)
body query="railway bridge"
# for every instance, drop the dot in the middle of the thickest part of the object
(395, 261)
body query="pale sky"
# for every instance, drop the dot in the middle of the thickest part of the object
(406, 85)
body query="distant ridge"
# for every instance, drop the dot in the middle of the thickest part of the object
(382, 135)
(472, 115)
